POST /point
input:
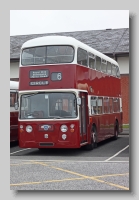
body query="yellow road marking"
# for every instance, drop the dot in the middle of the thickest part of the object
(14, 164)
(85, 177)
(108, 175)
(49, 181)
(95, 178)
(29, 183)
(112, 184)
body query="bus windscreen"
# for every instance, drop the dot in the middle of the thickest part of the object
(48, 106)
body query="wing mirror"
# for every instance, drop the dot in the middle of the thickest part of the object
(16, 106)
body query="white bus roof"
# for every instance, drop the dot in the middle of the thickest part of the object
(14, 85)
(64, 40)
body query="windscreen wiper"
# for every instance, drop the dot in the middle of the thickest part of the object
(30, 95)
(57, 117)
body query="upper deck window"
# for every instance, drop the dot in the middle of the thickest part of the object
(113, 70)
(109, 68)
(98, 63)
(82, 57)
(91, 60)
(103, 65)
(118, 72)
(47, 55)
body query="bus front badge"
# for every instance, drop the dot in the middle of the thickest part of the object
(46, 127)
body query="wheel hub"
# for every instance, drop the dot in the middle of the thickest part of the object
(94, 137)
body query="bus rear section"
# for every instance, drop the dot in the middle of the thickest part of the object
(52, 119)
(13, 111)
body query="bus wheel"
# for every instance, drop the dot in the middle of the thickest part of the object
(95, 136)
(93, 139)
(116, 131)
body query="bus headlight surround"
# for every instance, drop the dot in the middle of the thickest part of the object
(29, 129)
(64, 128)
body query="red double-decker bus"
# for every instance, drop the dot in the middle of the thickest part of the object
(69, 94)
(13, 112)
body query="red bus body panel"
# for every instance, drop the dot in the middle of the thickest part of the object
(37, 136)
(13, 126)
(73, 77)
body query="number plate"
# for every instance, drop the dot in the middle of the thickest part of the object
(45, 135)
(39, 83)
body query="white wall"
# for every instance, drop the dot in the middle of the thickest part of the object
(14, 69)
(123, 64)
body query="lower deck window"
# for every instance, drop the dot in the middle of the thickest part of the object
(94, 105)
(104, 105)
(116, 105)
(13, 98)
(100, 105)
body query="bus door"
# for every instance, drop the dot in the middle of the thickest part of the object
(83, 114)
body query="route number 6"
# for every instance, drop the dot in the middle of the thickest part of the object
(59, 77)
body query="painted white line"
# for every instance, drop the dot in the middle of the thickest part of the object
(116, 154)
(19, 151)
(74, 161)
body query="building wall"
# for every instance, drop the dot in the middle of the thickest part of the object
(125, 98)
(123, 64)
(124, 68)
(14, 70)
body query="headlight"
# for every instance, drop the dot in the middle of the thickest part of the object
(21, 126)
(29, 129)
(64, 128)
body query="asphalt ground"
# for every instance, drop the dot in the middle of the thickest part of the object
(104, 168)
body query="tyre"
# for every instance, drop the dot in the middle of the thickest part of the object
(116, 131)
(93, 139)
(42, 149)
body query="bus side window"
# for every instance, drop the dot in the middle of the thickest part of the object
(116, 105)
(93, 105)
(106, 104)
(92, 63)
(91, 60)
(12, 99)
(111, 104)
(98, 63)
(82, 57)
(109, 68)
(100, 105)
(103, 65)
(117, 72)
(113, 70)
